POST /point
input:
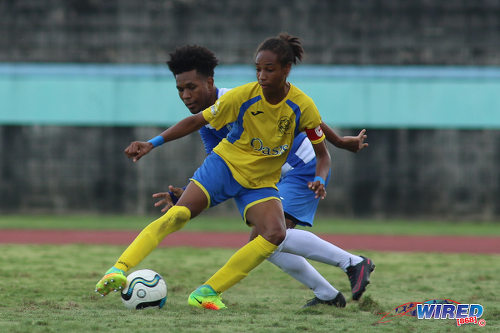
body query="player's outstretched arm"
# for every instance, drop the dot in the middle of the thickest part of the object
(323, 162)
(351, 143)
(138, 149)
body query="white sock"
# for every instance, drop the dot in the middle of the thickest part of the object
(310, 246)
(301, 270)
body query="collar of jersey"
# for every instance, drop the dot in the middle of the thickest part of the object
(275, 106)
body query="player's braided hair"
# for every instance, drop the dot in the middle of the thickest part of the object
(189, 57)
(287, 47)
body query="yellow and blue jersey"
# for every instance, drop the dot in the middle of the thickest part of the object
(262, 134)
(209, 135)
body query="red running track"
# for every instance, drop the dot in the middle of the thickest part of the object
(449, 244)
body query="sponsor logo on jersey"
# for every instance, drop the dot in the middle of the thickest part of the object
(258, 145)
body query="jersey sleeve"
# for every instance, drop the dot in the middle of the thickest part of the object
(210, 140)
(310, 122)
(212, 137)
(224, 111)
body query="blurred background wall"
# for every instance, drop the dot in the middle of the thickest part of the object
(456, 32)
(79, 80)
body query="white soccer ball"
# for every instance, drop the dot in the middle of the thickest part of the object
(145, 288)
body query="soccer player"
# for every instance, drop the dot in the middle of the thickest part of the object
(246, 166)
(193, 68)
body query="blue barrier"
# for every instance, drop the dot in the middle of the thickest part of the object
(347, 96)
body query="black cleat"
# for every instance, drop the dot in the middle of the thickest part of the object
(338, 301)
(359, 275)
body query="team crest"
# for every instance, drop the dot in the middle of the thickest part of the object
(284, 125)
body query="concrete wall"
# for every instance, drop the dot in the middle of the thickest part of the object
(403, 173)
(342, 32)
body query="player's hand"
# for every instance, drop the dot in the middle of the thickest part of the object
(355, 143)
(138, 149)
(165, 199)
(318, 189)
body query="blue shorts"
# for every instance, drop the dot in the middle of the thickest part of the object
(218, 183)
(298, 200)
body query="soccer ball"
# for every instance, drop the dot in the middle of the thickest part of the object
(145, 288)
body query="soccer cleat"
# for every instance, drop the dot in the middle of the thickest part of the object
(206, 297)
(359, 275)
(338, 301)
(113, 280)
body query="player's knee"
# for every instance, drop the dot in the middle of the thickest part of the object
(275, 235)
(176, 218)
(182, 213)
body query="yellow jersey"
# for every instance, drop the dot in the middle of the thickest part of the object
(262, 134)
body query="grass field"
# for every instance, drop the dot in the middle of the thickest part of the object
(49, 288)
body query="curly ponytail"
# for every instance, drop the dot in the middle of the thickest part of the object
(288, 48)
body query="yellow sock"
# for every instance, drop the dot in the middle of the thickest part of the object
(241, 263)
(149, 238)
